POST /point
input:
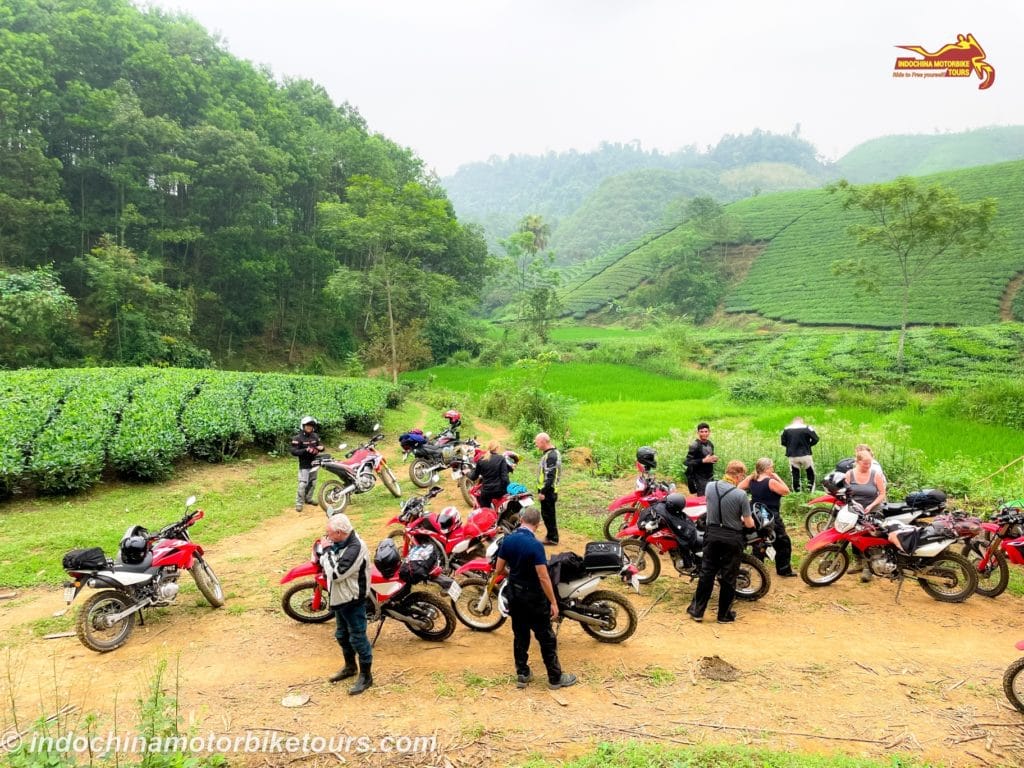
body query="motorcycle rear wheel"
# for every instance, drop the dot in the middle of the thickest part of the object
(818, 519)
(643, 557)
(623, 620)
(390, 482)
(825, 566)
(956, 568)
(1013, 683)
(753, 581)
(297, 603)
(993, 581)
(420, 473)
(207, 582)
(464, 485)
(614, 523)
(330, 497)
(488, 618)
(93, 635)
(425, 606)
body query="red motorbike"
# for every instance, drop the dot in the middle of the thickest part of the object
(390, 596)
(508, 507)
(624, 511)
(357, 474)
(1001, 543)
(942, 573)
(1013, 681)
(144, 575)
(455, 542)
(642, 543)
(413, 510)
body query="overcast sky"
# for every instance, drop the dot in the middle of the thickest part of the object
(461, 80)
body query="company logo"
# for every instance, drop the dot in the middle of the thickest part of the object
(960, 59)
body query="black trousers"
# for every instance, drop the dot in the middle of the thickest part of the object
(783, 546)
(486, 498)
(531, 613)
(547, 513)
(796, 478)
(697, 483)
(722, 551)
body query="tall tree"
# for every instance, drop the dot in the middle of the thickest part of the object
(913, 226)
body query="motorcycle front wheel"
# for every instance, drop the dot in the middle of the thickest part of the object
(207, 582)
(421, 474)
(619, 625)
(753, 581)
(91, 627)
(959, 578)
(1013, 683)
(307, 602)
(390, 482)
(642, 556)
(825, 566)
(475, 608)
(818, 519)
(432, 610)
(993, 580)
(617, 520)
(464, 485)
(330, 497)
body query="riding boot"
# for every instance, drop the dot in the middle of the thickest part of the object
(349, 670)
(365, 679)
(796, 479)
(810, 479)
(865, 574)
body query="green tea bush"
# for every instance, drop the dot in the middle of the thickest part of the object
(273, 409)
(149, 438)
(27, 400)
(215, 422)
(995, 402)
(320, 397)
(364, 401)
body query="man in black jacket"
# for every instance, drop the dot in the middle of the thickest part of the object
(700, 460)
(305, 446)
(550, 472)
(798, 439)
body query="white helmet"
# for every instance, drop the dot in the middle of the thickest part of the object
(308, 420)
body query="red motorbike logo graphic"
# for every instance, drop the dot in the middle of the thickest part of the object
(960, 59)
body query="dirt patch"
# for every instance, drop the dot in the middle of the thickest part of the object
(1006, 303)
(841, 668)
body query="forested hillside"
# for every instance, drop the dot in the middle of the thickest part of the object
(162, 201)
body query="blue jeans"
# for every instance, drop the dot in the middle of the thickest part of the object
(350, 630)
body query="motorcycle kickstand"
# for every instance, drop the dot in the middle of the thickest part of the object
(380, 626)
(899, 588)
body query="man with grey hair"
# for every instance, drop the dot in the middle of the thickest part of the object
(550, 472)
(346, 563)
(531, 600)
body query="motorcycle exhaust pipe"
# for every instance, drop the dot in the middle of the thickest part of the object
(113, 619)
(583, 619)
(414, 623)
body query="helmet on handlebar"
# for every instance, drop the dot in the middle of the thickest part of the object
(309, 420)
(454, 417)
(834, 482)
(675, 503)
(646, 457)
(448, 520)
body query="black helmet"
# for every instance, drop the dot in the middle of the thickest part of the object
(834, 482)
(133, 549)
(647, 457)
(675, 503)
(386, 559)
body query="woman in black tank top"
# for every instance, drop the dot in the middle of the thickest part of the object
(767, 488)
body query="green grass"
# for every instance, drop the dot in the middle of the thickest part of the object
(586, 382)
(580, 333)
(632, 754)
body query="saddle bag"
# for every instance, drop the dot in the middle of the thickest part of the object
(92, 559)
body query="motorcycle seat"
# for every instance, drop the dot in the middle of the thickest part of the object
(893, 508)
(142, 567)
(428, 451)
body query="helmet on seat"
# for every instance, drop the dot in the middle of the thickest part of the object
(454, 417)
(449, 519)
(675, 503)
(834, 482)
(646, 457)
(134, 548)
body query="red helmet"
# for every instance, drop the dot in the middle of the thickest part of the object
(453, 416)
(448, 519)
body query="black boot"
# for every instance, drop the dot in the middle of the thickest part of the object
(796, 479)
(810, 479)
(365, 679)
(349, 670)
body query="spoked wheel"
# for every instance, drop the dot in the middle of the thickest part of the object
(753, 581)
(619, 617)
(390, 481)
(1013, 683)
(995, 576)
(207, 582)
(434, 612)
(642, 557)
(477, 609)
(464, 485)
(93, 627)
(421, 474)
(306, 601)
(331, 498)
(952, 578)
(616, 521)
(397, 535)
(825, 566)
(819, 518)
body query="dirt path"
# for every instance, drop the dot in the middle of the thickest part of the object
(919, 677)
(1006, 303)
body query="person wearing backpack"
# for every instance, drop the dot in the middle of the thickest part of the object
(766, 488)
(728, 520)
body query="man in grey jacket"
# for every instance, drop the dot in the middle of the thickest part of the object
(346, 564)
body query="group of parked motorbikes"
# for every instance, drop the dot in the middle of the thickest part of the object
(954, 554)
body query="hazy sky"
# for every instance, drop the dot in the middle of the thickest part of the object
(461, 80)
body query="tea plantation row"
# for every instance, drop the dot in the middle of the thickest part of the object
(62, 428)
